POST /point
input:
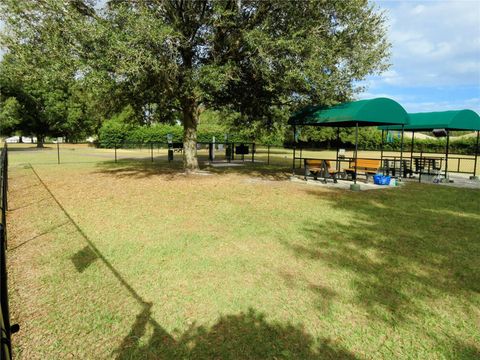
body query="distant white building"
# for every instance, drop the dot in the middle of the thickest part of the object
(16, 139)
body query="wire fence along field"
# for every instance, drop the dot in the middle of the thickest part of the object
(6, 328)
(211, 153)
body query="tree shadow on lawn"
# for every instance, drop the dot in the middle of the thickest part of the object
(242, 336)
(129, 168)
(30, 148)
(398, 247)
(462, 350)
(138, 169)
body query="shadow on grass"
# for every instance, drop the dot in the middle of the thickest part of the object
(129, 168)
(84, 258)
(30, 148)
(27, 204)
(399, 247)
(136, 168)
(324, 295)
(242, 336)
(48, 231)
(464, 351)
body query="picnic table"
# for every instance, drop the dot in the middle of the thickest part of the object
(427, 165)
(392, 167)
(319, 167)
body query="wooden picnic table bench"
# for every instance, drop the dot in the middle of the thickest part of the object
(392, 166)
(319, 167)
(427, 165)
(367, 167)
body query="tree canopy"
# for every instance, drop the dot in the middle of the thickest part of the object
(255, 60)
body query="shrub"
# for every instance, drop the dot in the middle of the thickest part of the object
(113, 133)
(372, 141)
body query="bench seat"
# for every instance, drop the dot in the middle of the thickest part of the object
(320, 168)
(367, 167)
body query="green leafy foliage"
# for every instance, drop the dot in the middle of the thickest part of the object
(371, 139)
(113, 134)
(10, 115)
(255, 61)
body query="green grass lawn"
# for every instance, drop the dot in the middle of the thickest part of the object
(136, 261)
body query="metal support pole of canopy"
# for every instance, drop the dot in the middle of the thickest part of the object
(356, 152)
(401, 152)
(337, 164)
(411, 152)
(476, 155)
(294, 146)
(381, 153)
(381, 145)
(300, 160)
(446, 154)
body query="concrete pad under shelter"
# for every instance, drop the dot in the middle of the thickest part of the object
(341, 184)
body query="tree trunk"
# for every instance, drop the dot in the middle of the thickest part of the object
(39, 141)
(190, 121)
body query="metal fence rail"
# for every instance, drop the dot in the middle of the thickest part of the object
(208, 152)
(6, 328)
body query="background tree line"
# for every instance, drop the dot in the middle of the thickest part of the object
(82, 67)
(121, 132)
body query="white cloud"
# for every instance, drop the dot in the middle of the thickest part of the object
(426, 106)
(418, 9)
(372, 95)
(416, 103)
(434, 43)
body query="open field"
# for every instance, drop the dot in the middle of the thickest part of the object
(81, 153)
(136, 261)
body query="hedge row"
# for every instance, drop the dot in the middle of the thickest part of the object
(112, 134)
(117, 134)
(465, 146)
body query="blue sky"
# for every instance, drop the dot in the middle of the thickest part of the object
(435, 55)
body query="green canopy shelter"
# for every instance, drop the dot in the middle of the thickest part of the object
(371, 112)
(448, 120)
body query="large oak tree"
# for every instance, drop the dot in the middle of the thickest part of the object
(257, 58)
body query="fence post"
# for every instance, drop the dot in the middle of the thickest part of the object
(4, 291)
(6, 327)
(5, 174)
(268, 154)
(115, 152)
(476, 156)
(300, 160)
(58, 152)
(422, 164)
(253, 153)
(151, 150)
(401, 170)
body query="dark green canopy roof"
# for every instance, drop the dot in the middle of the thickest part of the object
(451, 120)
(372, 112)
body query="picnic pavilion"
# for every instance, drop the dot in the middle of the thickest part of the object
(370, 112)
(441, 123)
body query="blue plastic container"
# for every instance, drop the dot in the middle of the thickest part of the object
(381, 180)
